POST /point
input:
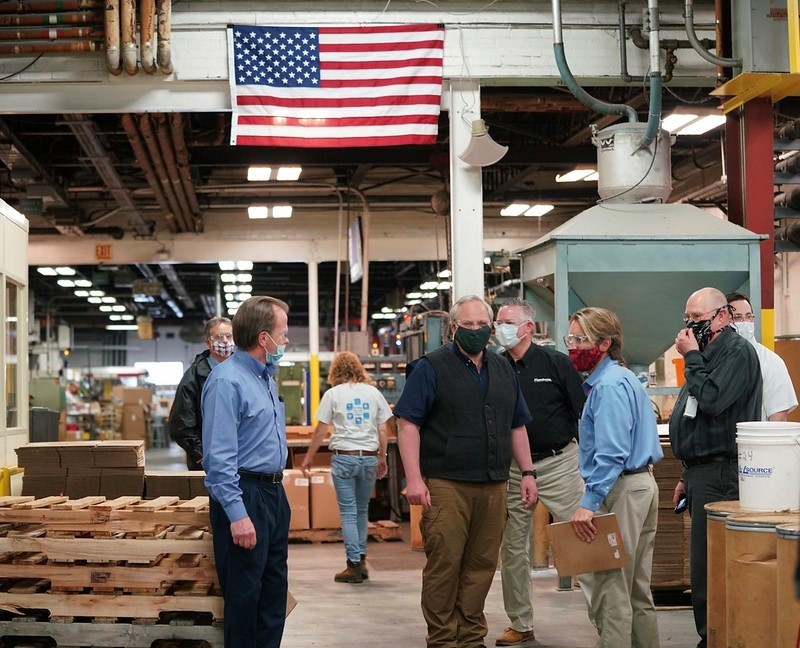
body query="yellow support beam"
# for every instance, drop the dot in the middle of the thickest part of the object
(768, 328)
(5, 479)
(313, 397)
(794, 37)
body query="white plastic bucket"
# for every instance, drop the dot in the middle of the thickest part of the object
(769, 465)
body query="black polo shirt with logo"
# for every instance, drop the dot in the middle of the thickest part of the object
(554, 394)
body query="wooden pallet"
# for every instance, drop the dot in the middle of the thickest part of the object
(115, 635)
(383, 530)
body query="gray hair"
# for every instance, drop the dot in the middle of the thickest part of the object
(213, 323)
(526, 307)
(466, 299)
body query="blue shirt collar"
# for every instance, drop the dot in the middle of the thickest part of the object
(257, 367)
(212, 361)
(595, 376)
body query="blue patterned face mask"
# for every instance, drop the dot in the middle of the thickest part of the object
(274, 358)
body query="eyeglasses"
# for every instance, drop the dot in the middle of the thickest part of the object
(576, 340)
(473, 325)
(743, 317)
(687, 317)
(221, 337)
(499, 323)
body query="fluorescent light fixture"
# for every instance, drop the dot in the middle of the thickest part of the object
(126, 318)
(282, 211)
(592, 177)
(289, 173)
(386, 309)
(259, 173)
(83, 283)
(702, 125)
(444, 274)
(115, 318)
(413, 302)
(47, 271)
(676, 121)
(66, 271)
(487, 261)
(106, 309)
(230, 288)
(81, 293)
(244, 265)
(429, 285)
(66, 283)
(242, 298)
(245, 288)
(244, 278)
(413, 295)
(109, 300)
(228, 277)
(429, 295)
(95, 300)
(444, 285)
(118, 308)
(538, 210)
(96, 293)
(574, 176)
(122, 327)
(257, 212)
(232, 304)
(226, 266)
(514, 209)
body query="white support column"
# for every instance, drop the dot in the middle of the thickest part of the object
(466, 192)
(313, 337)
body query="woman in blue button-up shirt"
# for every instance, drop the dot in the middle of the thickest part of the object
(618, 445)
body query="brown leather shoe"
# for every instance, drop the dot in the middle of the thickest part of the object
(364, 572)
(352, 574)
(511, 637)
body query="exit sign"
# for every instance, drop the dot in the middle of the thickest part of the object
(103, 252)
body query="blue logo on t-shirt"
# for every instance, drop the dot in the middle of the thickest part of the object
(358, 411)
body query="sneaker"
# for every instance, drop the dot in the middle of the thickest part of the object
(511, 637)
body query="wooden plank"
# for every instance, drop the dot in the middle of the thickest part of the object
(156, 504)
(194, 504)
(28, 586)
(27, 531)
(192, 588)
(94, 605)
(41, 503)
(105, 529)
(77, 504)
(113, 635)
(118, 503)
(9, 500)
(102, 550)
(186, 533)
(91, 516)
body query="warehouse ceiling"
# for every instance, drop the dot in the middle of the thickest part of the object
(80, 175)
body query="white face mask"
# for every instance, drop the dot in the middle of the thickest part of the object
(223, 349)
(747, 330)
(506, 335)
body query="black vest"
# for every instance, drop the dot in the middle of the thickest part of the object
(467, 435)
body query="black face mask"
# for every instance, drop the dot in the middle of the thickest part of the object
(702, 329)
(473, 341)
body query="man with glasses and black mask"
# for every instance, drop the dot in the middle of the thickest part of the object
(186, 418)
(778, 396)
(554, 394)
(461, 419)
(722, 388)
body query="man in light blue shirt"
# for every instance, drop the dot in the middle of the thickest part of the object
(618, 445)
(244, 442)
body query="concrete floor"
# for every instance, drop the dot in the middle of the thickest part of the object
(385, 609)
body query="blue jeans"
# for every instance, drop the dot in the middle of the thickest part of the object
(354, 478)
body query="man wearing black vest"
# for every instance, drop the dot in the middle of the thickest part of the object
(461, 418)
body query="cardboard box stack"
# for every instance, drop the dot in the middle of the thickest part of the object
(296, 485)
(324, 508)
(82, 468)
(671, 550)
(136, 403)
(186, 484)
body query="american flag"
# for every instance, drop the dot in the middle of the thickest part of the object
(335, 86)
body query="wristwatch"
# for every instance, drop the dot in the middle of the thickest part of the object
(529, 473)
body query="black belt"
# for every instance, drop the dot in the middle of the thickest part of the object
(358, 453)
(691, 463)
(546, 454)
(636, 471)
(270, 478)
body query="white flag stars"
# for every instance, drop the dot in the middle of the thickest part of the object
(258, 48)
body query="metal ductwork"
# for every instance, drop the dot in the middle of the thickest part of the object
(123, 52)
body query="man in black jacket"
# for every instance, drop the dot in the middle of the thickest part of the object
(186, 416)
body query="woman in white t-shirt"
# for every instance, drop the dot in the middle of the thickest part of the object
(358, 413)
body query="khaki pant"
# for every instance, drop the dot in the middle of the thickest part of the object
(621, 602)
(560, 490)
(462, 531)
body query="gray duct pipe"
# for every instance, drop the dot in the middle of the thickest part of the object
(654, 117)
(580, 94)
(697, 46)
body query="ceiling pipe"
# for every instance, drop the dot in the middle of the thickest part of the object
(94, 17)
(112, 29)
(688, 16)
(37, 6)
(164, 53)
(52, 34)
(177, 284)
(654, 116)
(127, 13)
(52, 48)
(148, 274)
(146, 129)
(168, 155)
(129, 124)
(147, 34)
(182, 157)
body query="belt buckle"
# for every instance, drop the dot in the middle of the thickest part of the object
(277, 478)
